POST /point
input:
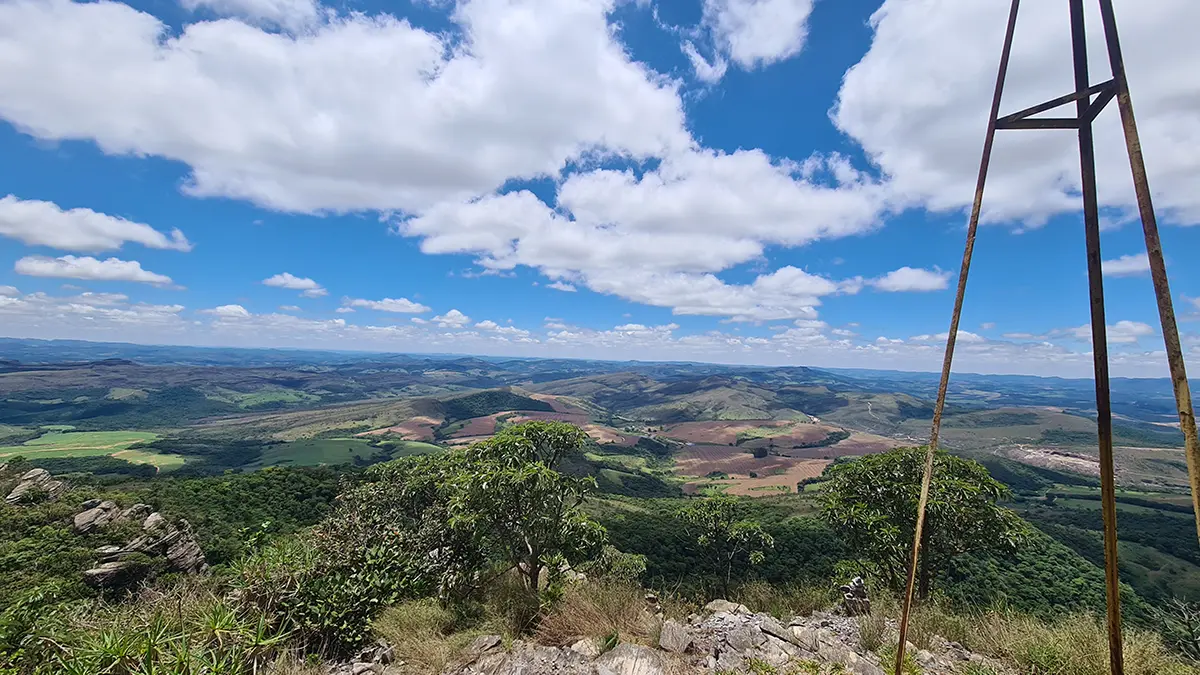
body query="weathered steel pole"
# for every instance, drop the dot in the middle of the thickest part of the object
(1087, 108)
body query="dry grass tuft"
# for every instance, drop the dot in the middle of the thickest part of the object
(872, 631)
(420, 633)
(785, 601)
(599, 609)
(1073, 645)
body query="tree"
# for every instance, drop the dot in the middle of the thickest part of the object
(724, 540)
(872, 502)
(515, 503)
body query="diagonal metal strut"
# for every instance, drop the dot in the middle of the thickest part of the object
(1087, 110)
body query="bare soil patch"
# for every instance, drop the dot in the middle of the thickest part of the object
(609, 436)
(416, 429)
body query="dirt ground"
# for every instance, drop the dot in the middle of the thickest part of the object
(774, 474)
(415, 429)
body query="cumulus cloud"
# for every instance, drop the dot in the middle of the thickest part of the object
(9, 291)
(88, 268)
(1127, 266)
(451, 319)
(228, 312)
(40, 223)
(396, 305)
(289, 14)
(1122, 332)
(918, 101)
(361, 112)
(658, 237)
(910, 279)
(562, 286)
(750, 33)
(289, 308)
(310, 288)
(503, 331)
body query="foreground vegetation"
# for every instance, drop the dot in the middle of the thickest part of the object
(431, 551)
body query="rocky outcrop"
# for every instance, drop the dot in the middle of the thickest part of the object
(36, 482)
(855, 601)
(175, 544)
(726, 638)
(96, 517)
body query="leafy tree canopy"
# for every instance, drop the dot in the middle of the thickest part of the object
(872, 502)
(725, 540)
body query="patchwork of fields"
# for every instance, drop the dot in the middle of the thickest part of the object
(58, 442)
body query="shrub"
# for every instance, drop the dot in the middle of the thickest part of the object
(327, 597)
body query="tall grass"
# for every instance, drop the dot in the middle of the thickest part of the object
(422, 635)
(1072, 645)
(787, 601)
(599, 609)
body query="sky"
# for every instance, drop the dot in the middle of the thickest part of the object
(735, 181)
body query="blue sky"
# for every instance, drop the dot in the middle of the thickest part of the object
(744, 181)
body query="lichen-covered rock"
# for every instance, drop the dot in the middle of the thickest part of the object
(96, 517)
(35, 482)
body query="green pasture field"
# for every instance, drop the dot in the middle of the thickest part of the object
(93, 443)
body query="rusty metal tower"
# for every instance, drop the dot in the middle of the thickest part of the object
(1090, 100)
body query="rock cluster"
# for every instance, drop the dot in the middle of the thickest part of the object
(726, 638)
(33, 482)
(175, 544)
(855, 601)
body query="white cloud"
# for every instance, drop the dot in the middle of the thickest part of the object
(40, 223)
(101, 299)
(289, 308)
(86, 267)
(360, 112)
(758, 32)
(987, 325)
(396, 305)
(344, 310)
(658, 238)
(562, 286)
(1122, 332)
(452, 319)
(709, 72)
(289, 14)
(228, 312)
(803, 342)
(918, 104)
(310, 288)
(9, 291)
(910, 279)
(1127, 266)
(504, 331)
(963, 336)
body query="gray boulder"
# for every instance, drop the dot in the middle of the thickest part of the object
(631, 659)
(33, 482)
(113, 573)
(136, 512)
(674, 637)
(726, 606)
(96, 517)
